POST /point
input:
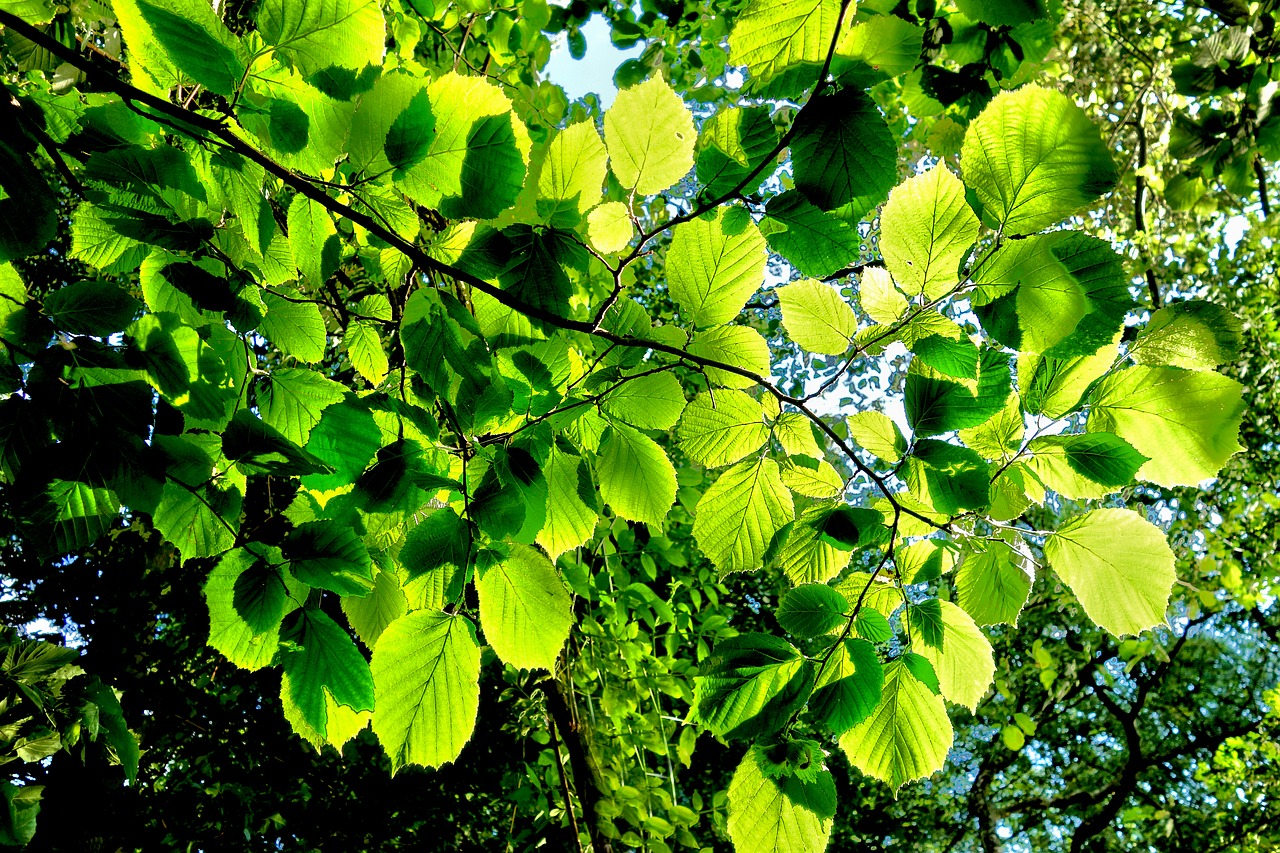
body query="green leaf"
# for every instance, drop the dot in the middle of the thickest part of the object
(366, 351)
(926, 232)
(91, 308)
(571, 502)
(392, 126)
(947, 477)
(714, 265)
(369, 615)
(963, 659)
(72, 515)
(926, 621)
(843, 154)
(922, 670)
(733, 143)
(1195, 335)
(328, 556)
(1063, 294)
(814, 478)
(872, 626)
(811, 610)
(816, 242)
(770, 37)
(199, 521)
(292, 400)
(992, 585)
(112, 724)
(262, 594)
(739, 515)
(1001, 436)
(719, 428)
(636, 478)
(325, 677)
(849, 686)
(849, 527)
(876, 433)
(924, 561)
(740, 346)
(572, 175)
(229, 633)
(294, 325)
(794, 432)
(816, 317)
(525, 610)
(648, 402)
(1119, 566)
(426, 682)
(1056, 386)
(804, 556)
(779, 815)
(937, 403)
(1032, 158)
(258, 448)
(750, 685)
(317, 34)
(194, 40)
(650, 136)
(610, 228)
(1186, 422)
(314, 240)
(881, 298)
(475, 166)
(1079, 467)
(906, 737)
(877, 49)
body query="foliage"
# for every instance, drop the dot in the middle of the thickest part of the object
(427, 375)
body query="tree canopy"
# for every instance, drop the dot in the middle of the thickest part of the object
(852, 427)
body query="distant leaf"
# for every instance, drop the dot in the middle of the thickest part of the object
(926, 231)
(1033, 157)
(739, 515)
(714, 265)
(906, 737)
(786, 815)
(816, 317)
(525, 610)
(650, 136)
(1119, 566)
(426, 681)
(750, 685)
(1186, 422)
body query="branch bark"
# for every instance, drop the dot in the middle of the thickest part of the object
(584, 780)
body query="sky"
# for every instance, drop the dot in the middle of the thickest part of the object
(594, 72)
